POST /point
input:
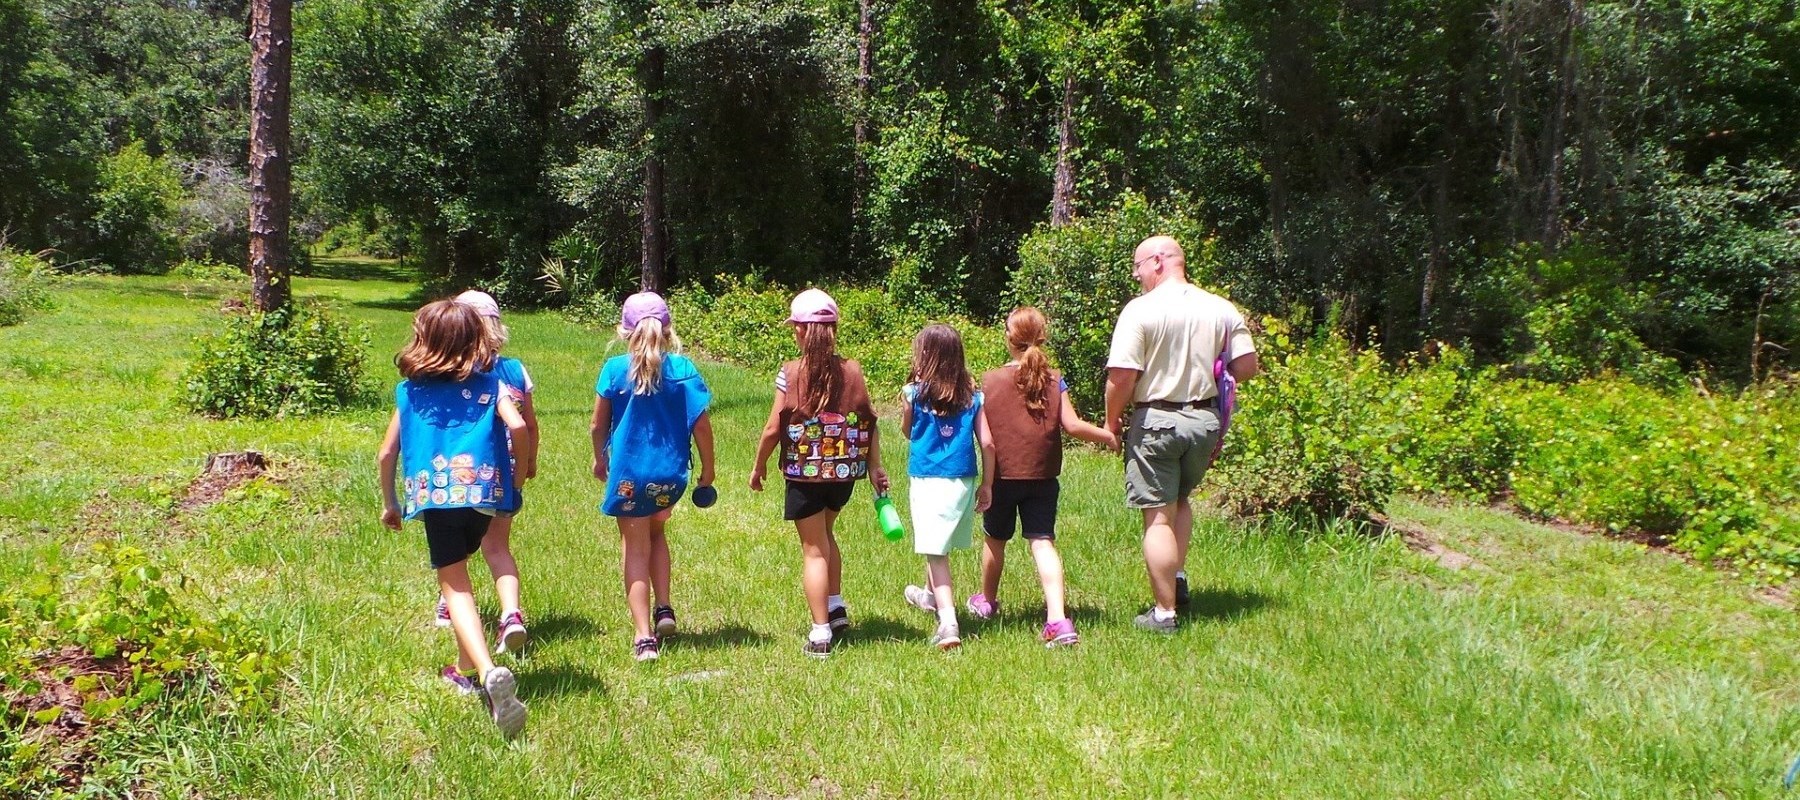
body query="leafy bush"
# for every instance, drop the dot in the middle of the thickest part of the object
(24, 285)
(299, 360)
(1458, 436)
(745, 324)
(1718, 476)
(138, 217)
(1573, 315)
(1080, 276)
(1310, 438)
(106, 651)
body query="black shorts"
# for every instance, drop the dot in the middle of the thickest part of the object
(806, 498)
(453, 534)
(1032, 503)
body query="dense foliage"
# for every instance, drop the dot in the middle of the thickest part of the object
(1619, 180)
(302, 359)
(24, 284)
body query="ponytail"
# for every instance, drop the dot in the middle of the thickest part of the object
(821, 366)
(648, 343)
(1026, 334)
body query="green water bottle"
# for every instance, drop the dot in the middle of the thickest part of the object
(887, 517)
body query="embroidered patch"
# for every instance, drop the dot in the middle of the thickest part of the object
(627, 489)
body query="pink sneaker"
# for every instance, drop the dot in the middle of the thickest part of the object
(1060, 633)
(982, 607)
(442, 619)
(513, 636)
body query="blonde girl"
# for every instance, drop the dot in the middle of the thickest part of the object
(496, 546)
(650, 414)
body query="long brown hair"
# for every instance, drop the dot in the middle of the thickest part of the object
(449, 342)
(1026, 334)
(945, 385)
(820, 364)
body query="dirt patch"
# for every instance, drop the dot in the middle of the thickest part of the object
(223, 472)
(1421, 541)
(53, 716)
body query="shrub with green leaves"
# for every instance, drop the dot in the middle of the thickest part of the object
(1311, 438)
(25, 280)
(137, 222)
(303, 359)
(1079, 275)
(745, 323)
(1457, 433)
(108, 651)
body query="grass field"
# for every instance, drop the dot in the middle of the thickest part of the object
(1313, 666)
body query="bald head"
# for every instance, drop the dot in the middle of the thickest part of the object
(1157, 260)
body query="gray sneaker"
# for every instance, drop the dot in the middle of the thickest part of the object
(946, 637)
(500, 691)
(1148, 621)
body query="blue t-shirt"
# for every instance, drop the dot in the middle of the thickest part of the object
(649, 447)
(943, 446)
(453, 445)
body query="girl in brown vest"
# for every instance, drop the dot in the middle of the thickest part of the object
(824, 424)
(1027, 407)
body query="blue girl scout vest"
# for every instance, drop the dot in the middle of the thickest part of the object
(453, 445)
(649, 448)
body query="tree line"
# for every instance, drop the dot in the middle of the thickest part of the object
(1591, 184)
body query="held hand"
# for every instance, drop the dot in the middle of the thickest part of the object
(1112, 441)
(756, 478)
(390, 518)
(984, 497)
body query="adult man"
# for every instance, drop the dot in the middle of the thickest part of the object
(1161, 360)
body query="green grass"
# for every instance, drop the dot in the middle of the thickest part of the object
(1314, 666)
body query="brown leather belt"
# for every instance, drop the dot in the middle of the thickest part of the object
(1170, 405)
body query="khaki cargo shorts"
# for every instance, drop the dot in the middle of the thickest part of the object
(1167, 453)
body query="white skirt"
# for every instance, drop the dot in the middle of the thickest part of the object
(943, 514)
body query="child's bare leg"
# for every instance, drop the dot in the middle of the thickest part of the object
(634, 539)
(659, 560)
(833, 560)
(465, 620)
(937, 579)
(496, 550)
(993, 561)
(1050, 573)
(817, 550)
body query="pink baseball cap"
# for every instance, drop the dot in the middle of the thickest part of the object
(644, 305)
(813, 305)
(481, 301)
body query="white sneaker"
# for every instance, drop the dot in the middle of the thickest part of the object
(500, 691)
(921, 599)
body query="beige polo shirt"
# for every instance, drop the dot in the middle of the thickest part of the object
(1174, 333)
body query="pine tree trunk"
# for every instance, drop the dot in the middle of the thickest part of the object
(655, 276)
(1062, 194)
(865, 74)
(271, 67)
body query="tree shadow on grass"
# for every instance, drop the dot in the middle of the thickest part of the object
(358, 269)
(560, 681)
